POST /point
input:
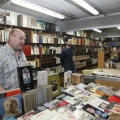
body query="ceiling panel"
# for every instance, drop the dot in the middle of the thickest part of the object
(107, 6)
(64, 7)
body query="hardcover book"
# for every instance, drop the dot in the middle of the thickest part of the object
(54, 80)
(11, 106)
(25, 78)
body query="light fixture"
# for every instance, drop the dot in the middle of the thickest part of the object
(87, 6)
(118, 27)
(37, 8)
(97, 30)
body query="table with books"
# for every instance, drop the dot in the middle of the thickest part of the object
(74, 101)
(79, 102)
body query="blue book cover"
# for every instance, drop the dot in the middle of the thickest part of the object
(11, 106)
(10, 118)
(40, 39)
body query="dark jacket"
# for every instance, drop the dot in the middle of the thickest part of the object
(66, 58)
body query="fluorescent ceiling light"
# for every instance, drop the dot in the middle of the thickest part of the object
(97, 30)
(37, 8)
(87, 6)
(118, 28)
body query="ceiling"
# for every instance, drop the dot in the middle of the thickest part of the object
(71, 11)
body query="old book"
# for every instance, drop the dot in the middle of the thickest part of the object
(25, 78)
(54, 80)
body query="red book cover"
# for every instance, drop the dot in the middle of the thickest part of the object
(40, 49)
(27, 50)
(63, 103)
(114, 99)
(13, 92)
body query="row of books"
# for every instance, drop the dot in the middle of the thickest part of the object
(85, 41)
(116, 43)
(79, 34)
(32, 37)
(39, 50)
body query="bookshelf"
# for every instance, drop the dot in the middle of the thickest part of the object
(35, 49)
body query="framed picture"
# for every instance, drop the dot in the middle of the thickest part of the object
(54, 80)
(25, 78)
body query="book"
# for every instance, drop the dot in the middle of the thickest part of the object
(29, 100)
(13, 92)
(43, 94)
(54, 80)
(10, 118)
(42, 78)
(94, 111)
(25, 78)
(67, 78)
(99, 103)
(11, 106)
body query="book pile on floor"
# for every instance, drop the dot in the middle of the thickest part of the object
(80, 102)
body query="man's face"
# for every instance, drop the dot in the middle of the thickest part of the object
(69, 42)
(17, 40)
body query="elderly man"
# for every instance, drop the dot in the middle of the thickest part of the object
(11, 57)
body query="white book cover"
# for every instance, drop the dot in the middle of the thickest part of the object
(65, 113)
(36, 50)
(35, 40)
(67, 78)
(46, 115)
(99, 103)
(42, 78)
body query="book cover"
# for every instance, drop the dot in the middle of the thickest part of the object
(54, 80)
(13, 92)
(29, 100)
(10, 118)
(11, 106)
(99, 103)
(42, 78)
(67, 78)
(94, 111)
(25, 78)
